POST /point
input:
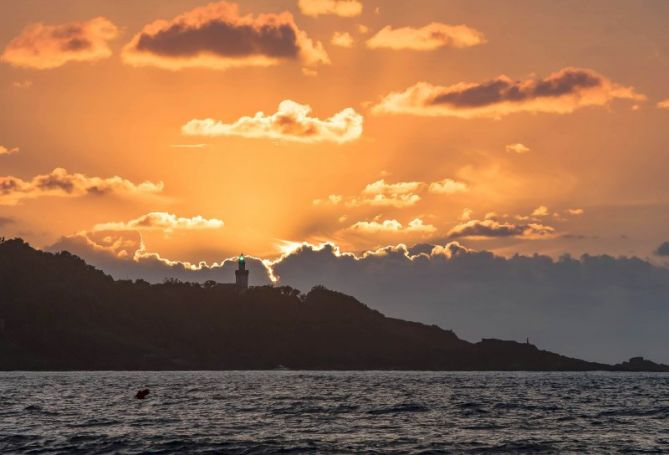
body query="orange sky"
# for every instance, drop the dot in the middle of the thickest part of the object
(527, 126)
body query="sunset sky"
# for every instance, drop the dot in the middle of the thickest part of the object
(210, 129)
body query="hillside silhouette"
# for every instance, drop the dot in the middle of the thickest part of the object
(58, 313)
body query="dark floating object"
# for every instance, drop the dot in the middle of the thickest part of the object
(142, 394)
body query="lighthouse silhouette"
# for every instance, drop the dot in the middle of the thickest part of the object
(241, 274)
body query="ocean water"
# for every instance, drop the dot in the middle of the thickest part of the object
(334, 412)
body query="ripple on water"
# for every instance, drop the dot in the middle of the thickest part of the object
(335, 412)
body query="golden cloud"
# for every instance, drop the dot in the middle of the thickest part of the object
(447, 186)
(493, 228)
(382, 194)
(542, 210)
(560, 93)
(161, 221)
(292, 122)
(63, 184)
(398, 195)
(41, 46)
(23, 84)
(664, 104)
(342, 39)
(427, 38)
(393, 226)
(382, 200)
(381, 187)
(7, 150)
(517, 148)
(344, 8)
(217, 37)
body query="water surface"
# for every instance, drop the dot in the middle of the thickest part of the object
(334, 412)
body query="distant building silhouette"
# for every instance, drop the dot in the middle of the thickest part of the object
(241, 274)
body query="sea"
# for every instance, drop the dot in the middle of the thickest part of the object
(267, 412)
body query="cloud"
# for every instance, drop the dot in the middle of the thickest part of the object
(664, 104)
(23, 84)
(292, 122)
(575, 212)
(492, 228)
(161, 221)
(517, 148)
(381, 187)
(595, 307)
(393, 226)
(663, 249)
(383, 194)
(124, 256)
(344, 8)
(8, 150)
(398, 195)
(382, 200)
(41, 46)
(342, 39)
(448, 186)
(540, 211)
(466, 214)
(60, 182)
(562, 92)
(427, 38)
(188, 146)
(217, 37)
(5, 221)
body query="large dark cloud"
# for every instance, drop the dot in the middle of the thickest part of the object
(221, 38)
(566, 82)
(663, 249)
(217, 36)
(494, 228)
(596, 307)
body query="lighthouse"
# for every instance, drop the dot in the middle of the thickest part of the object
(241, 274)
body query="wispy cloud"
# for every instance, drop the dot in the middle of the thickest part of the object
(161, 221)
(562, 92)
(494, 228)
(416, 226)
(61, 183)
(397, 195)
(517, 148)
(189, 146)
(41, 46)
(344, 8)
(427, 38)
(8, 150)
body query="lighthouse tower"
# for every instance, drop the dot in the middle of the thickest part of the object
(241, 274)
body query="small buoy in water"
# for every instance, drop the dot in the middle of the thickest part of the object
(142, 394)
